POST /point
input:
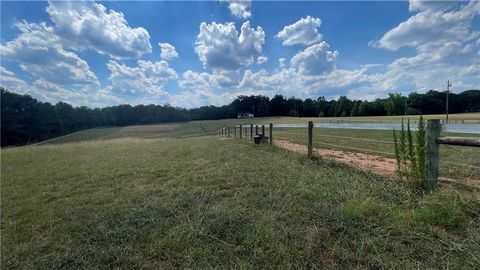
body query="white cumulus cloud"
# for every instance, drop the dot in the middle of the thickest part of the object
(146, 77)
(11, 82)
(167, 51)
(315, 60)
(220, 46)
(88, 25)
(240, 8)
(38, 51)
(262, 59)
(304, 31)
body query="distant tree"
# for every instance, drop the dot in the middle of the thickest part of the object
(355, 109)
(309, 108)
(343, 105)
(278, 106)
(296, 105)
(395, 104)
(323, 106)
(263, 108)
(363, 108)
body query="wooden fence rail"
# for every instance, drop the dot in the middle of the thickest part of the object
(433, 148)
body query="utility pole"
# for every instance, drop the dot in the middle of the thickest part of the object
(446, 105)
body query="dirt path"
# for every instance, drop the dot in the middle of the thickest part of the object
(373, 163)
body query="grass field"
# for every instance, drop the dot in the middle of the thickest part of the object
(140, 197)
(450, 156)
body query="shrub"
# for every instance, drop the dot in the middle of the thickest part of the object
(410, 154)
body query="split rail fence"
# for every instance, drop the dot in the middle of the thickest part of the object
(434, 140)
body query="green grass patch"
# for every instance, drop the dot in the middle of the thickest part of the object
(219, 203)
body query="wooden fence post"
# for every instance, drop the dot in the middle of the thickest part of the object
(228, 131)
(241, 130)
(251, 132)
(433, 131)
(256, 129)
(263, 131)
(310, 140)
(271, 135)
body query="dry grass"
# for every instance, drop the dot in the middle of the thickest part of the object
(220, 203)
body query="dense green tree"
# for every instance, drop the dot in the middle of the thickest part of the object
(396, 104)
(343, 105)
(355, 109)
(278, 106)
(309, 108)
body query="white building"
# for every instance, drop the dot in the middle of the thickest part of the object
(245, 115)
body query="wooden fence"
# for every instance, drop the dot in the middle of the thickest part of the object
(432, 144)
(433, 148)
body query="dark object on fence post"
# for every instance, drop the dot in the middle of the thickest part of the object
(251, 131)
(271, 133)
(257, 139)
(310, 135)
(241, 130)
(433, 131)
(256, 129)
(263, 131)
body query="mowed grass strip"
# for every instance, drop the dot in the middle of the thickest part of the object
(223, 203)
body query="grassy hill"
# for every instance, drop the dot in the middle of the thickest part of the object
(142, 197)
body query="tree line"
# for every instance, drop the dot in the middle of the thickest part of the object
(26, 120)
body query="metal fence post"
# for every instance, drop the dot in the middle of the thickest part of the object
(256, 129)
(271, 135)
(241, 130)
(310, 140)
(228, 131)
(235, 131)
(251, 132)
(263, 131)
(433, 131)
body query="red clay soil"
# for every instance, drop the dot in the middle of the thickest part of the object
(377, 164)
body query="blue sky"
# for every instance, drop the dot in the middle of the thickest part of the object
(208, 52)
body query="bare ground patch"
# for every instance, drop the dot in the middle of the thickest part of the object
(373, 163)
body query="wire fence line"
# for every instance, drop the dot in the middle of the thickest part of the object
(460, 164)
(341, 137)
(367, 150)
(349, 147)
(279, 130)
(433, 141)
